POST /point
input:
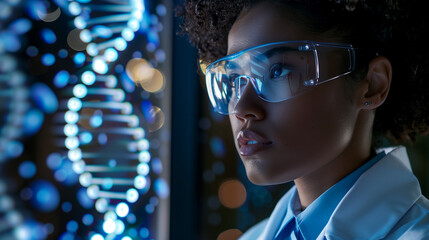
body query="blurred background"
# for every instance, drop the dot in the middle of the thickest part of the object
(106, 131)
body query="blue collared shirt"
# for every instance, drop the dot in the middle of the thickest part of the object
(309, 223)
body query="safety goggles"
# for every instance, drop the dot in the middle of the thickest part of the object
(277, 71)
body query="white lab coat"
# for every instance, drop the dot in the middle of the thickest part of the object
(384, 203)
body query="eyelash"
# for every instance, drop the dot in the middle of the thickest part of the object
(284, 70)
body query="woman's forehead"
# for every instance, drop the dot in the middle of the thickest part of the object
(262, 24)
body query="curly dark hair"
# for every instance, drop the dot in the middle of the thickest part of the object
(393, 28)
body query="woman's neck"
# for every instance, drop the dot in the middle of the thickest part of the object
(357, 153)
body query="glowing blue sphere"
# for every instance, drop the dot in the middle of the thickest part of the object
(46, 197)
(44, 97)
(80, 91)
(33, 121)
(74, 104)
(27, 169)
(99, 65)
(20, 26)
(122, 209)
(48, 59)
(79, 58)
(83, 199)
(48, 36)
(88, 77)
(127, 83)
(161, 188)
(9, 41)
(61, 79)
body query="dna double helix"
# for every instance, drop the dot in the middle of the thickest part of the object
(103, 116)
(103, 135)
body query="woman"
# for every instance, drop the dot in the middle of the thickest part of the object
(306, 85)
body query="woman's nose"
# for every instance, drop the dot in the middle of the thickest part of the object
(249, 106)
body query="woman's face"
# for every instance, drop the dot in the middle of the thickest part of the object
(280, 142)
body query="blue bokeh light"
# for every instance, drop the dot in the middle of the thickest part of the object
(67, 236)
(127, 84)
(61, 79)
(96, 121)
(45, 197)
(122, 209)
(120, 44)
(66, 207)
(85, 138)
(61, 3)
(33, 121)
(161, 10)
(80, 22)
(148, 112)
(44, 98)
(87, 219)
(111, 54)
(83, 199)
(9, 41)
(5, 10)
(32, 51)
(218, 147)
(128, 34)
(144, 232)
(54, 161)
(48, 59)
(88, 77)
(48, 36)
(63, 53)
(72, 226)
(27, 169)
(80, 91)
(99, 65)
(74, 104)
(75, 8)
(20, 26)
(14, 149)
(161, 188)
(65, 174)
(79, 58)
(157, 166)
(30, 230)
(36, 9)
(85, 36)
(102, 138)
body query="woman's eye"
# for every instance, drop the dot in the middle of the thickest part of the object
(278, 70)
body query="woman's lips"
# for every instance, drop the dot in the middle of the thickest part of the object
(250, 142)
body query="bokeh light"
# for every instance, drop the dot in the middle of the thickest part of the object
(142, 73)
(27, 169)
(232, 193)
(231, 234)
(45, 196)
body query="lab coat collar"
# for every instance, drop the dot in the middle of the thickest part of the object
(277, 216)
(370, 209)
(377, 201)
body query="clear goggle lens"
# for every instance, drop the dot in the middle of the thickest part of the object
(277, 71)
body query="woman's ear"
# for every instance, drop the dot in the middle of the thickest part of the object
(378, 80)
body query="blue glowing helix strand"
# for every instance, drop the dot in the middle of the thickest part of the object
(103, 139)
(14, 90)
(22, 114)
